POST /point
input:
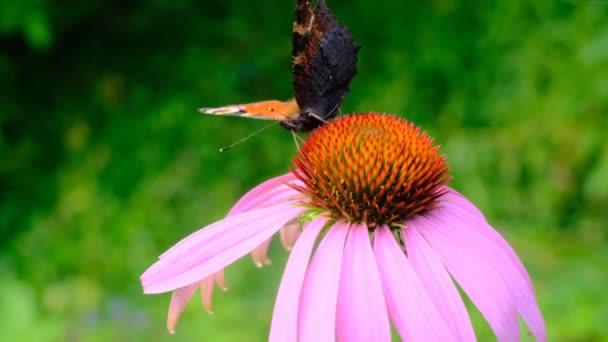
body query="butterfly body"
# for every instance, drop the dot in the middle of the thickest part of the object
(324, 61)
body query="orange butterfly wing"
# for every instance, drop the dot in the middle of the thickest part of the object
(265, 110)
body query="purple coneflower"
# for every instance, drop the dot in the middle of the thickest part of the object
(377, 237)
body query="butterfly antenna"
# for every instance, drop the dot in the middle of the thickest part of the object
(226, 148)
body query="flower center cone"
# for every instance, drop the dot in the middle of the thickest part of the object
(371, 168)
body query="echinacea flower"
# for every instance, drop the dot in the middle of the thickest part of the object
(378, 239)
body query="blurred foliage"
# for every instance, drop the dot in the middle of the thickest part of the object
(106, 163)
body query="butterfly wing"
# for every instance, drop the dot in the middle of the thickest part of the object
(333, 67)
(324, 60)
(265, 110)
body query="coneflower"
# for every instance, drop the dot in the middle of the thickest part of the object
(378, 239)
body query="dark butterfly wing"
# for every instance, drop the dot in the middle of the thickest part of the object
(324, 62)
(332, 69)
(309, 28)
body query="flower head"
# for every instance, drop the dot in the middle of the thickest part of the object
(377, 237)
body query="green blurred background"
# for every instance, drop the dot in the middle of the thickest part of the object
(105, 162)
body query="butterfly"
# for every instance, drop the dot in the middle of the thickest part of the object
(324, 61)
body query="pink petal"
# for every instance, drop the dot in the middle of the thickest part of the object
(207, 293)
(210, 233)
(207, 288)
(259, 194)
(284, 325)
(290, 233)
(489, 242)
(179, 299)
(219, 280)
(182, 296)
(438, 284)
(476, 271)
(260, 254)
(466, 212)
(273, 196)
(456, 198)
(362, 313)
(319, 296)
(216, 247)
(460, 206)
(213, 231)
(409, 305)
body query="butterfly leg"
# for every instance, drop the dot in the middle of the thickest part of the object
(313, 115)
(297, 139)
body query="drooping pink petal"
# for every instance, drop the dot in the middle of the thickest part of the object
(210, 233)
(280, 193)
(182, 296)
(319, 296)
(217, 246)
(438, 284)
(409, 305)
(179, 299)
(466, 212)
(264, 192)
(260, 254)
(476, 272)
(219, 280)
(458, 205)
(207, 288)
(207, 293)
(290, 233)
(458, 199)
(513, 273)
(361, 312)
(284, 325)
